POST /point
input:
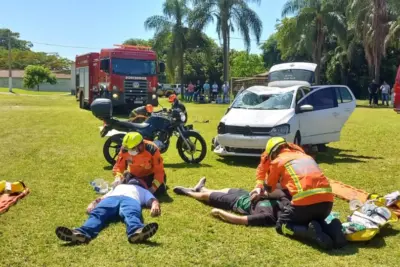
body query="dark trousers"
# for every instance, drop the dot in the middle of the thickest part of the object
(302, 215)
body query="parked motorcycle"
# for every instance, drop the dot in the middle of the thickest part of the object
(159, 128)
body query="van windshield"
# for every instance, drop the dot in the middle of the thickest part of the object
(291, 75)
(251, 100)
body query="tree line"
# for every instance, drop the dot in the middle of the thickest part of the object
(352, 41)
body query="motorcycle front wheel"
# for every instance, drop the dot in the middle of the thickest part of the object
(197, 146)
(111, 148)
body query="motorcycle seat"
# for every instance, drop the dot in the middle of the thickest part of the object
(134, 125)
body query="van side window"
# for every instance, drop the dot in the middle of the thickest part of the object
(345, 94)
(321, 99)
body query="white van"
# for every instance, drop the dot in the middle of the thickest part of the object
(288, 107)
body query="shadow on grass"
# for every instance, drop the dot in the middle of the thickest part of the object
(251, 162)
(335, 155)
(352, 247)
(185, 165)
(108, 168)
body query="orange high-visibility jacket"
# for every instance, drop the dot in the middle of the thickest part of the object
(144, 164)
(298, 173)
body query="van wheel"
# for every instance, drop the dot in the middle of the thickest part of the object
(297, 139)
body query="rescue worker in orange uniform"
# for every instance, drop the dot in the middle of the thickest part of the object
(140, 159)
(307, 188)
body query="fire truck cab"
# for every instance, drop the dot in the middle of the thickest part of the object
(128, 75)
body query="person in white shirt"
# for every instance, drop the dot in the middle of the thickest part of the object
(225, 90)
(125, 201)
(385, 89)
(214, 90)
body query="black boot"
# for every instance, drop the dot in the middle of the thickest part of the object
(334, 230)
(313, 232)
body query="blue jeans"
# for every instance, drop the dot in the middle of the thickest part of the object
(385, 98)
(111, 209)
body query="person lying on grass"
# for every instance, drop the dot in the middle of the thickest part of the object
(124, 202)
(261, 213)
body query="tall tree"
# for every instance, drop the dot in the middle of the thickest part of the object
(314, 20)
(172, 24)
(229, 15)
(16, 43)
(370, 19)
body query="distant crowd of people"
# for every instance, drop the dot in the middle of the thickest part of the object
(206, 93)
(374, 90)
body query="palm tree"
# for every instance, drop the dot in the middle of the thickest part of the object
(370, 19)
(170, 28)
(228, 15)
(315, 20)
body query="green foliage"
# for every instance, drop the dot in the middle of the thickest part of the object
(15, 42)
(35, 75)
(22, 56)
(246, 65)
(229, 15)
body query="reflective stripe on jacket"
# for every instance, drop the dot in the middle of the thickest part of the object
(301, 176)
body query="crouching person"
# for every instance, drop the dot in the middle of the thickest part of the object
(142, 159)
(307, 187)
(124, 202)
(263, 213)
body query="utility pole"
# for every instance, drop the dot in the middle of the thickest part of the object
(9, 63)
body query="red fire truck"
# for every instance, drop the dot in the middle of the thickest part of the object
(126, 74)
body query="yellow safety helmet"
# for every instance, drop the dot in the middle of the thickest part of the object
(273, 144)
(132, 140)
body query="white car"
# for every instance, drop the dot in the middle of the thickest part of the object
(305, 115)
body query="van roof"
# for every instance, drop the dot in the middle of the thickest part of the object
(294, 65)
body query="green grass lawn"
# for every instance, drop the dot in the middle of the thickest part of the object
(56, 149)
(31, 92)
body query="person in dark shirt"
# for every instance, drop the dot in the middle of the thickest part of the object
(262, 213)
(176, 104)
(373, 89)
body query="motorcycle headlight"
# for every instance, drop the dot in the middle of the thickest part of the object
(115, 96)
(183, 116)
(280, 130)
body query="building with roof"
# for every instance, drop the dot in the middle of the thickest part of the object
(63, 81)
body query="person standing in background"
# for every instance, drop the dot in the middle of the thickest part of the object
(215, 90)
(197, 91)
(206, 89)
(225, 91)
(385, 90)
(190, 91)
(373, 89)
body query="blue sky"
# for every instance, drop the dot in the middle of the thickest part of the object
(97, 24)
